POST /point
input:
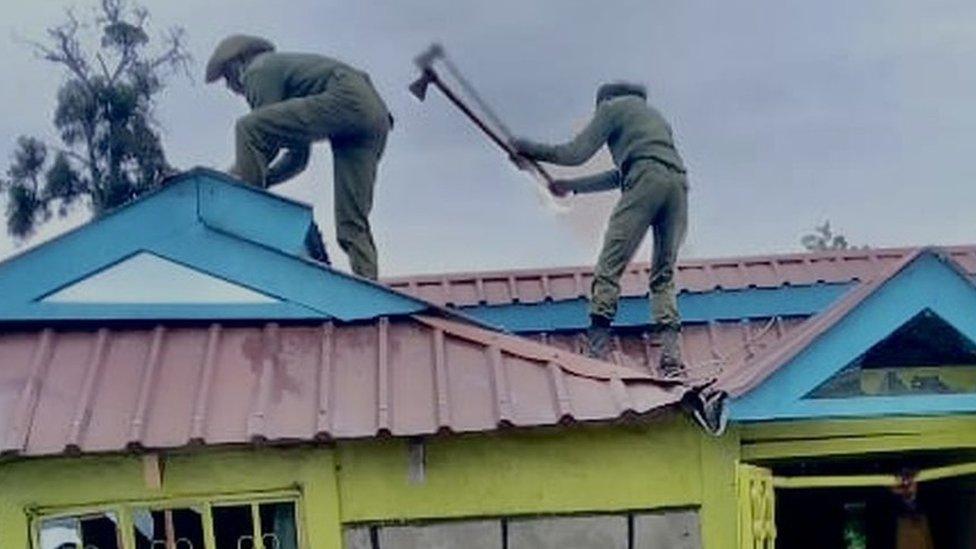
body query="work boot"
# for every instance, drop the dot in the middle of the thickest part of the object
(671, 365)
(598, 338)
(708, 408)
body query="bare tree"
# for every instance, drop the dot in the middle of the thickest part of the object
(110, 150)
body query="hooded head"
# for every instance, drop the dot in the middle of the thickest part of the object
(618, 89)
(231, 50)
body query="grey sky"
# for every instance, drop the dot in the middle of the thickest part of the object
(786, 112)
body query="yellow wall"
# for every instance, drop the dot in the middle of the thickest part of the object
(667, 463)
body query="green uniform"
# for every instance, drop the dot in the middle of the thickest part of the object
(654, 187)
(298, 99)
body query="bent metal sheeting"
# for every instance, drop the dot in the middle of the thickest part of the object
(105, 389)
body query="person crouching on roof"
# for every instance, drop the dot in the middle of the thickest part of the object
(298, 99)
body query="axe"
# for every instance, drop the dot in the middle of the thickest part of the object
(500, 136)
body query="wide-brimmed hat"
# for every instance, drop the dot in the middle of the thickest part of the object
(231, 48)
(620, 88)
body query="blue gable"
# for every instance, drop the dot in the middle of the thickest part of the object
(262, 249)
(929, 283)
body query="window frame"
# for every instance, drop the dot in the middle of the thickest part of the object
(123, 510)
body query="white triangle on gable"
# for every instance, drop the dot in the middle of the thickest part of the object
(146, 278)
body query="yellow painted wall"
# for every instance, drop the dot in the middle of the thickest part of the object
(669, 462)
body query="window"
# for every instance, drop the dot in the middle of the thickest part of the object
(224, 524)
(168, 528)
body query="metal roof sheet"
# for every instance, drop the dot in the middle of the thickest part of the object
(694, 275)
(110, 388)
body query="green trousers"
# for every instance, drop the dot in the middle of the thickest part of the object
(351, 115)
(656, 197)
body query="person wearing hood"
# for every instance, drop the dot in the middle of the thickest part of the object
(654, 195)
(298, 99)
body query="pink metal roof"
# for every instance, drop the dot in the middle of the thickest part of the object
(108, 389)
(695, 275)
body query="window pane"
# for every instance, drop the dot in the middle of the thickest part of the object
(96, 531)
(278, 528)
(233, 527)
(168, 529)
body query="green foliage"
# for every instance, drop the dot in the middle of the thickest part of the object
(823, 238)
(110, 147)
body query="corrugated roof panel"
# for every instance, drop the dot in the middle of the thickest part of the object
(498, 290)
(695, 278)
(634, 281)
(356, 383)
(530, 389)
(170, 386)
(761, 274)
(531, 290)
(966, 259)
(290, 399)
(59, 395)
(174, 415)
(240, 355)
(469, 374)
(564, 286)
(413, 381)
(695, 275)
(107, 423)
(464, 292)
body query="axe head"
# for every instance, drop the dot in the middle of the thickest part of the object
(419, 86)
(426, 59)
(424, 62)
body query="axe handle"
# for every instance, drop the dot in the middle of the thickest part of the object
(504, 144)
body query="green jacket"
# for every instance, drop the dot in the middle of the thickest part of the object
(632, 130)
(273, 77)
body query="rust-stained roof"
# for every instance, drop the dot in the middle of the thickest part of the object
(111, 388)
(695, 275)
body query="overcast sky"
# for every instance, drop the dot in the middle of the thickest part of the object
(787, 113)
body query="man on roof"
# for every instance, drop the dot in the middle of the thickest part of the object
(298, 99)
(654, 188)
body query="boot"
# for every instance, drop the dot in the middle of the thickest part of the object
(708, 408)
(671, 364)
(598, 338)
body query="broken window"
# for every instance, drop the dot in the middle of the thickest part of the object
(168, 528)
(926, 355)
(91, 531)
